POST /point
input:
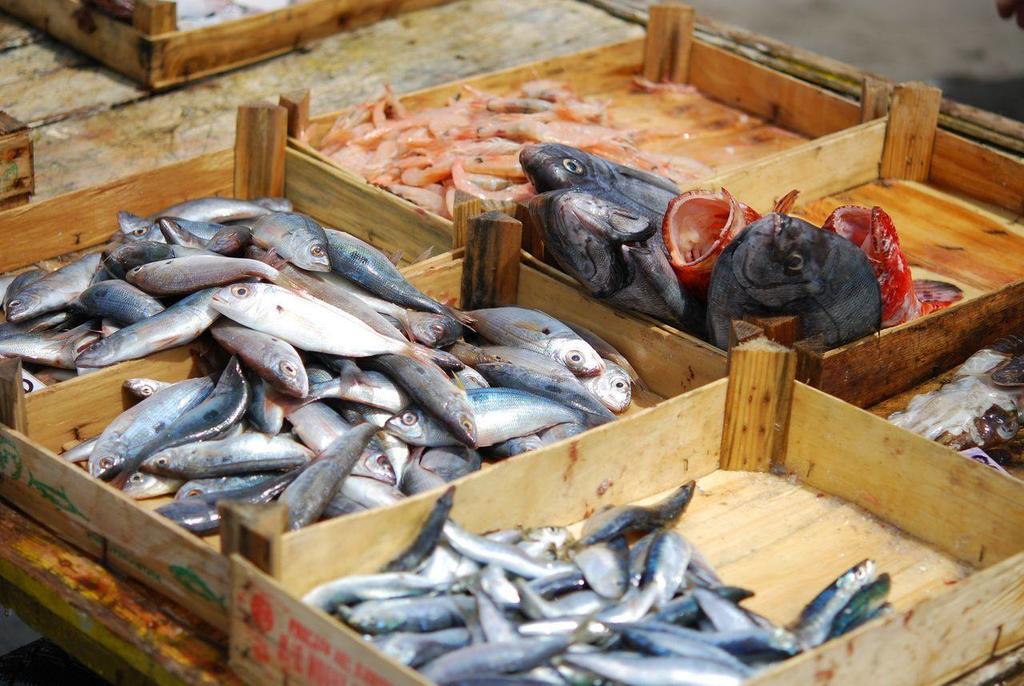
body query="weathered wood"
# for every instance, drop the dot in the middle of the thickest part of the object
(253, 530)
(152, 17)
(874, 98)
(12, 395)
(976, 170)
(757, 405)
(490, 274)
(297, 105)
(261, 133)
(668, 43)
(17, 177)
(119, 629)
(910, 135)
(742, 331)
(41, 230)
(467, 207)
(866, 371)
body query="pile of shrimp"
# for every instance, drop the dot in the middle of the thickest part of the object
(472, 143)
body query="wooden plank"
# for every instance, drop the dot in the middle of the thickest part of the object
(874, 98)
(116, 627)
(261, 132)
(817, 168)
(81, 408)
(276, 640)
(757, 405)
(669, 39)
(978, 171)
(152, 17)
(964, 508)
(867, 371)
(12, 396)
(17, 177)
(910, 136)
(43, 229)
(782, 99)
(981, 618)
(490, 274)
(116, 44)
(341, 199)
(189, 55)
(138, 542)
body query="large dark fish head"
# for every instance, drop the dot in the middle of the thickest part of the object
(582, 232)
(551, 166)
(781, 265)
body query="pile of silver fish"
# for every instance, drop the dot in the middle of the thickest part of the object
(339, 387)
(603, 223)
(194, 14)
(981, 407)
(536, 606)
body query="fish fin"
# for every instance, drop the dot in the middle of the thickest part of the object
(937, 293)
(784, 204)
(273, 259)
(1009, 374)
(396, 257)
(461, 317)
(424, 255)
(458, 382)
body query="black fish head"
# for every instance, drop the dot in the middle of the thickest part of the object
(551, 166)
(782, 265)
(580, 211)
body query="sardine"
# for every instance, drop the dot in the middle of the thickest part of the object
(140, 485)
(668, 556)
(539, 332)
(815, 621)
(242, 454)
(195, 488)
(54, 291)
(414, 649)
(503, 555)
(308, 495)
(118, 301)
(427, 538)
(500, 657)
(179, 324)
(295, 237)
(182, 275)
(275, 360)
(634, 669)
(50, 348)
(200, 515)
(407, 614)
(617, 521)
(216, 209)
(605, 566)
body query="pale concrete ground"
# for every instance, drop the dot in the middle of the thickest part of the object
(961, 45)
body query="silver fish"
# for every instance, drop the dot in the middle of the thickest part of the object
(143, 388)
(414, 649)
(195, 488)
(489, 658)
(181, 275)
(242, 454)
(118, 301)
(295, 237)
(503, 555)
(275, 360)
(179, 324)
(612, 387)
(81, 452)
(539, 332)
(55, 291)
(216, 209)
(140, 486)
(634, 669)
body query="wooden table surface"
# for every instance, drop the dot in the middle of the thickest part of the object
(90, 125)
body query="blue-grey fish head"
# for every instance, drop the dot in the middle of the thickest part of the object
(551, 166)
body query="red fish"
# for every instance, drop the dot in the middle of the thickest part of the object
(698, 225)
(903, 298)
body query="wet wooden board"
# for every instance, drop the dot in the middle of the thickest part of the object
(90, 124)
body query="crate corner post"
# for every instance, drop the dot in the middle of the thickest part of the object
(154, 17)
(13, 411)
(490, 272)
(261, 134)
(668, 43)
(296, 103)
(758, 400)
(910, 133)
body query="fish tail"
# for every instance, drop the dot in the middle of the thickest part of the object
(935, 295)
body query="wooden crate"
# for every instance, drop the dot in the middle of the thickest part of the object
(17, 180)
(739, 106)
(794, 486)
(129, 537)
(152, 51)
(955, 204)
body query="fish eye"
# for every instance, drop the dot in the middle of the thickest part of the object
(409, 418)
(240, 291)
(794, 263)
(141, 231)
(146, 390)
(14, 303)
(135, 478)
(288, 368)
(316, 251)
(193, 492)
(437, 329)
(575, 357)
(620, 385)
(162, 461)
(572, 165)
(106, 463)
